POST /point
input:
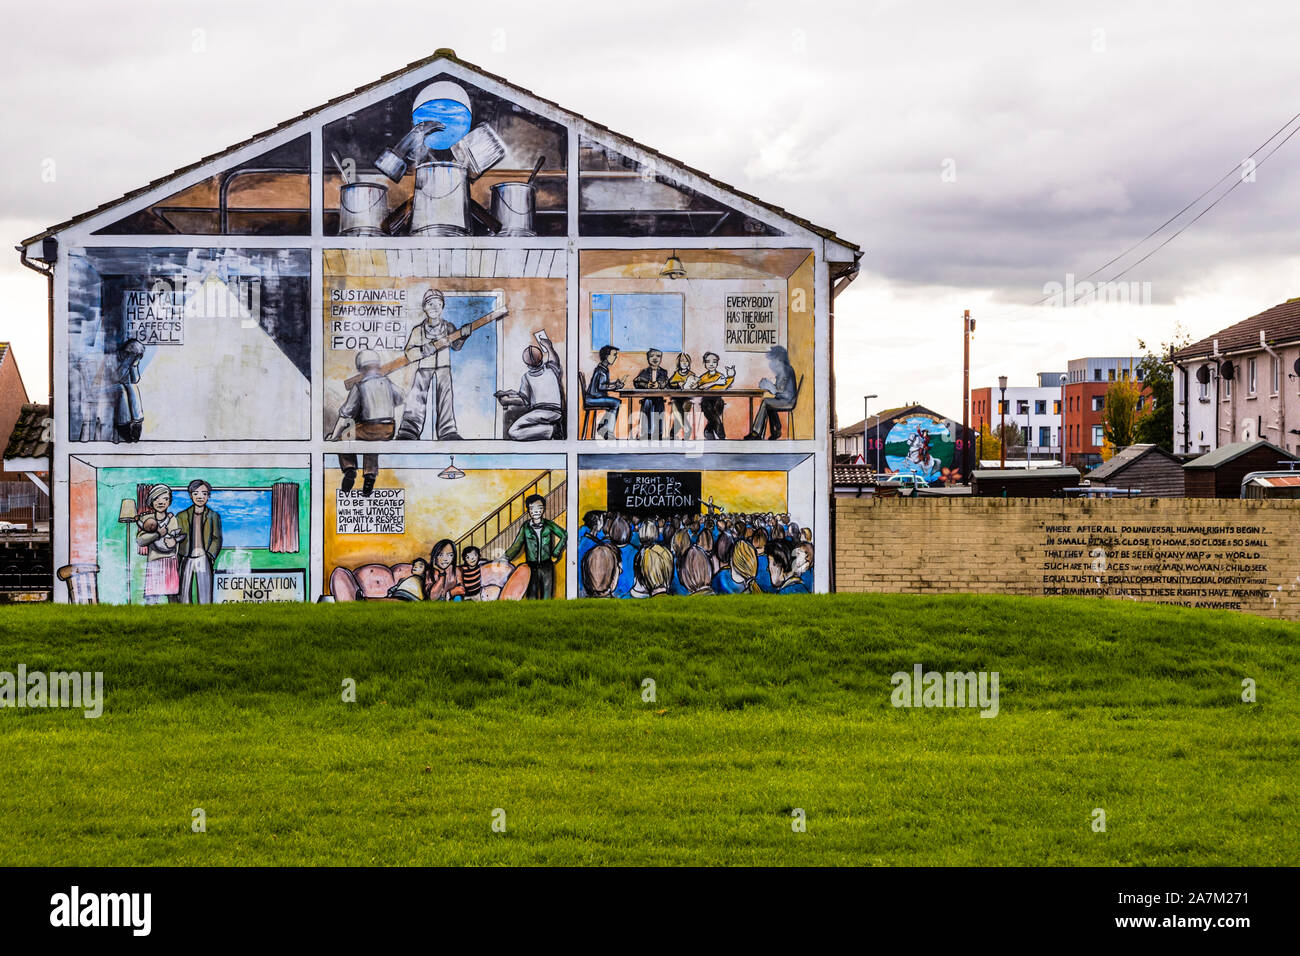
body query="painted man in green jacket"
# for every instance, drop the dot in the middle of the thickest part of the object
(542, 543)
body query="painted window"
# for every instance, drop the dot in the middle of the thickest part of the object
(1040, 407)
(636, 321)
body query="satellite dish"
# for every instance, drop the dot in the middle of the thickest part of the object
(1296, 366)
(1203, 373)
(1227, 370)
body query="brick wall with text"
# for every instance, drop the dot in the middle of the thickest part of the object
(1226, 554)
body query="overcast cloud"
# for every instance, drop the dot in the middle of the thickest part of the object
(1072, 132)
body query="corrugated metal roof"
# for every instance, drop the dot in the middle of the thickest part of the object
(1281, 324)
(29, 437)
(1278, 481)
(450, 56)
(1226, 453)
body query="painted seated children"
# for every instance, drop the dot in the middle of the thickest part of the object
(411, 587)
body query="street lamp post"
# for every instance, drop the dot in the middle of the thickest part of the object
(1029, 431)
(1002, 422)
(866, 405)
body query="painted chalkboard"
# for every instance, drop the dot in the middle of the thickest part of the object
(647, 493)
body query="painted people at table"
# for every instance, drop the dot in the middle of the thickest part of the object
(653, 376)
(784, 387)
(598, 396)
(683, 377)
(713, 408)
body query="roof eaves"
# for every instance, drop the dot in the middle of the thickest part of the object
(450, 56)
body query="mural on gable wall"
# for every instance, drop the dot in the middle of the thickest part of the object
(619, 196)
(448, 528)
(439, 345)
(445, 158)
(426, 346)
(188, 345)
(696, 344)
(190, 529)
(268, 195)
(658, 525)
(922, 445)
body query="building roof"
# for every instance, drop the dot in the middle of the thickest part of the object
(1226, 453)
(1266, 480)
(30, 439)
(451, 57)
(850, 431)
(1281, 324)
(990, 474)
(853, 475)
(888, 413)
(1129, 456)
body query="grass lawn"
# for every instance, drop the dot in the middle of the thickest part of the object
(763, 705)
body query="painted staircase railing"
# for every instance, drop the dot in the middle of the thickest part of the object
(499, 529)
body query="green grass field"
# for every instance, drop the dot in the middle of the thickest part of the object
(763, 705)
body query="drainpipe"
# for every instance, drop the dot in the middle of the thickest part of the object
(837, 286)
(1187, 426)
(49, 253)
(1281, 392)
(1216, 355)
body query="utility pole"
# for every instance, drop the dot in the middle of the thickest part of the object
(1002, 422)
(866, 413)
(967, 326)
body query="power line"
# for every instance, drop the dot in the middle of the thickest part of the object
(1175, 216)
(1205, 210)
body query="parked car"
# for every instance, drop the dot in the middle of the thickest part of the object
(8, 527)
(906, 482)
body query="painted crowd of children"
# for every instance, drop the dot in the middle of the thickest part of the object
(622, 557)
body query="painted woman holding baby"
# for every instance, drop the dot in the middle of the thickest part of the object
(160, 535)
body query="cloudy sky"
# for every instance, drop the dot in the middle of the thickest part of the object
(976, 152)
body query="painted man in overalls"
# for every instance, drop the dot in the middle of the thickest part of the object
(433, 371)
(542, 542)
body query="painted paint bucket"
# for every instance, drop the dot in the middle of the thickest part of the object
(514, 205)
(362, 208)
(479, 150)
(441, 200)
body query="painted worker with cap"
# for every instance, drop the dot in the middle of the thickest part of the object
(432, 371)
(371, 406)
(541, 391)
